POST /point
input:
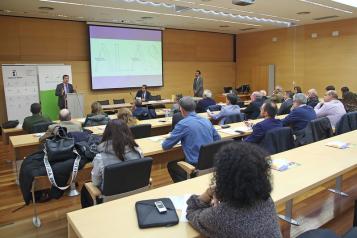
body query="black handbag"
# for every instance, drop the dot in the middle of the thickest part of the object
(10, 124)
(60, 146)
(148, 215)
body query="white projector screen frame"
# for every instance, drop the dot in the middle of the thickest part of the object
(124, 81)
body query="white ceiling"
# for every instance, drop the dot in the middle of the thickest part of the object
(132, 11)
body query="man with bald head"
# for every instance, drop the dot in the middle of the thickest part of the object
(312, 98)
(66, 121)
(253, 109)
(332, 108)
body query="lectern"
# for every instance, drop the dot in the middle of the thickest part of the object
(75, 104)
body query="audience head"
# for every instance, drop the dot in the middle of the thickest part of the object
(288, 94)
(138, 103)
(35, 108)
(64, 115)
(198, 73)
(255, 95)
(263, 93)
(125, 115)
(120, 136)
(268, 109)
(350, 98)
(297, 89)
(299, 99)
(187, 105)
(242, 175)
(231, 99)
(65, 78)
(207, 93)
(278, 89)
(312, 93)
(178, 97)
(144, 88)
(330, 87)
(330, 95)
(96, 108)
(344, 90)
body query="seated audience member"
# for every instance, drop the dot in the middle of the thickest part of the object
(287, 104)
(264, 95)
(96, 117)
(297, 89)
(239, 202)
(117, 146)
(204, 103)
(229, 109)
(176, 107)
(332, 108)
(268, 112)
(277, 95)
(141, 112)
(344, 90)
(35, 118)
(330, 87)
(193, 131)
(253, 109)
(350, 101)
(312, 98)
(66, 121)
(127, 116)
(300, 114)
(143, 94)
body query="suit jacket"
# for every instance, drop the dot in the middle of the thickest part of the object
(203, 104)
(32, 120)
(225, 112)
(299, 117)
(285, 107)
(198, 86)
(61, 96)
(139, 94)
(253, 109)
(261, 128)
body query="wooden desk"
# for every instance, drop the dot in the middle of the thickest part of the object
(111, 107)
(319, 164)
(6, 133)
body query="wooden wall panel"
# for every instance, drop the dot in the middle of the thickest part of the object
(29, 40)
(301, 60)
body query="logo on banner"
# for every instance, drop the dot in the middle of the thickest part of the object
(14, 73)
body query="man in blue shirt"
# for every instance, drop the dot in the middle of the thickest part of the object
(300, 114)
(230, 109)
(193, 131)
(268, 111)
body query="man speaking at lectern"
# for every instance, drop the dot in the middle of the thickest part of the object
(61, 91)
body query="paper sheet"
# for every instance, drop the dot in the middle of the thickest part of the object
(180, 204)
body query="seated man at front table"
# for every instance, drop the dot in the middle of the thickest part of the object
(332, 108)
(300, 115)
(141, 112)
(144, 94)
(193, 131)
(204, 103)
(268, 112)
(36, 118)
(230, 109)
(66, 121)
(253, 109)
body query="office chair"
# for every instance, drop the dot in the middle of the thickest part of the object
(141, 131)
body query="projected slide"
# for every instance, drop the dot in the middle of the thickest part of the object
(125, 57)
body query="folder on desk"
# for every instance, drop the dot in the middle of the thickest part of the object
(148, 215)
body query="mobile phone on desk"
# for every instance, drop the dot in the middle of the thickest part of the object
(162, 120)
(225, 126)
(160, 207)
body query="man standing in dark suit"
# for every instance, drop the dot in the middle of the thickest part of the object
(62, 90)
(198, 84)
(143, 94)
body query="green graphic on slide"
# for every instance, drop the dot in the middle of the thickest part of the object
(49, 104)
(125, 57)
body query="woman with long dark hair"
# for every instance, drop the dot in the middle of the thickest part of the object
(238, 204)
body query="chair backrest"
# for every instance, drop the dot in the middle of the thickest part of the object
(321, 129)
(175, 119)
(227, 89)
(119, 101)
(233, 118)
(104, 102)
(126, 176)
(216, 107)
(141, 131)
(278, 140)
(208, 152)
(40, 127)
(155, 97)
(347, 123)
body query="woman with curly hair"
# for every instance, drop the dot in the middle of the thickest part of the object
(127, 116)
(238, 204)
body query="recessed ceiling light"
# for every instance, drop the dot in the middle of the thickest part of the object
(303, 13)
(146, 18)
(352, 3)
(46, 8)
(223, 26)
